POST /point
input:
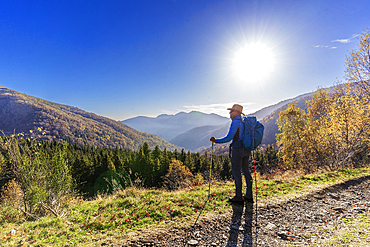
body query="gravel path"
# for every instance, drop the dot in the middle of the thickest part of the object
(301, 221)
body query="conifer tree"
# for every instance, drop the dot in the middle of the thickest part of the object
(226, 169)
(108, 160)
(175, 155)
(189, 162)
(197, 163)
(118, 159)
(157, 153)
(205, 163)
(183, 156)
(143, 165)
(165, 162)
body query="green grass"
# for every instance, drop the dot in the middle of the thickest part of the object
(358, 233)
(268, 188)
(110, 219)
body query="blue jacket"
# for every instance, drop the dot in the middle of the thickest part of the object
(235, 124)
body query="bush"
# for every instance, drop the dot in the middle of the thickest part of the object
(11, 200)
(198, 180)
(111, 181)
(44, 178)
(177, 177)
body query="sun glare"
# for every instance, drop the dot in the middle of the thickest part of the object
(253, 63)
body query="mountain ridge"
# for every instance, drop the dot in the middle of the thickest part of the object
(67, 123)
(169, 126)
(197, 140)
(42, 119)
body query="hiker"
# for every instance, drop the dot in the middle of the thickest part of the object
(238, 154)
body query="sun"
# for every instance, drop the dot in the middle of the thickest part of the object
(254, 62)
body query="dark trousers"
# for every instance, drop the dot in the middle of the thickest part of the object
(239, 163)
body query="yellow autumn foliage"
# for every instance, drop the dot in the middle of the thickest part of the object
(334, 130)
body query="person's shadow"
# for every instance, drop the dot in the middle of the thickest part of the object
(236, 226)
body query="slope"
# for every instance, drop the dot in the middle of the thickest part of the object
(38, 118)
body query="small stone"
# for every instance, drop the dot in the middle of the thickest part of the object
(324, 212)
(333, 195)
(360, 210)
(338, 209)
(271, 226)
(193, 242)
(283, 235)
(132, 234)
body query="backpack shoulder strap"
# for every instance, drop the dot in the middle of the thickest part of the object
(236, 136)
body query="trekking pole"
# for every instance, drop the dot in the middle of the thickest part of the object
(210, 173)
(255, 178)
(209, 193)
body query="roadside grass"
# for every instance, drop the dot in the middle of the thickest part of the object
(110, 219)
(296, 184)
(357, 233)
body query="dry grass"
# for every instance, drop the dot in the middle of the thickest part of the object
(135, 212)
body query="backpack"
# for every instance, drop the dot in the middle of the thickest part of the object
(253, 133)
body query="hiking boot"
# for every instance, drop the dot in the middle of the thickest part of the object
(236, 199)
(248, 198)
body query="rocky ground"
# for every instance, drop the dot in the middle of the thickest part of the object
(311, 219)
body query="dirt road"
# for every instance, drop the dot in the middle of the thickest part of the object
(306, 220)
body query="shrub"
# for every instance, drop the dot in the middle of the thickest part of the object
(177, 177)
(198, 180)
(11, 199)
(111, 181)
(44, 178)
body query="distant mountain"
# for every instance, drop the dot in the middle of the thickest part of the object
(46, 120)
(193, 130)
(169, 126)
(197, 139)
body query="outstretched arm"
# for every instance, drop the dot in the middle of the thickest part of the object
(232, 131)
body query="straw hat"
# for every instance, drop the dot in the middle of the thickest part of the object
(237, 107)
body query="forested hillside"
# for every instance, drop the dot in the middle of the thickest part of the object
(46, 120)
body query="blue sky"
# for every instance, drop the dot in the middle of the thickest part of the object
(127, 58)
